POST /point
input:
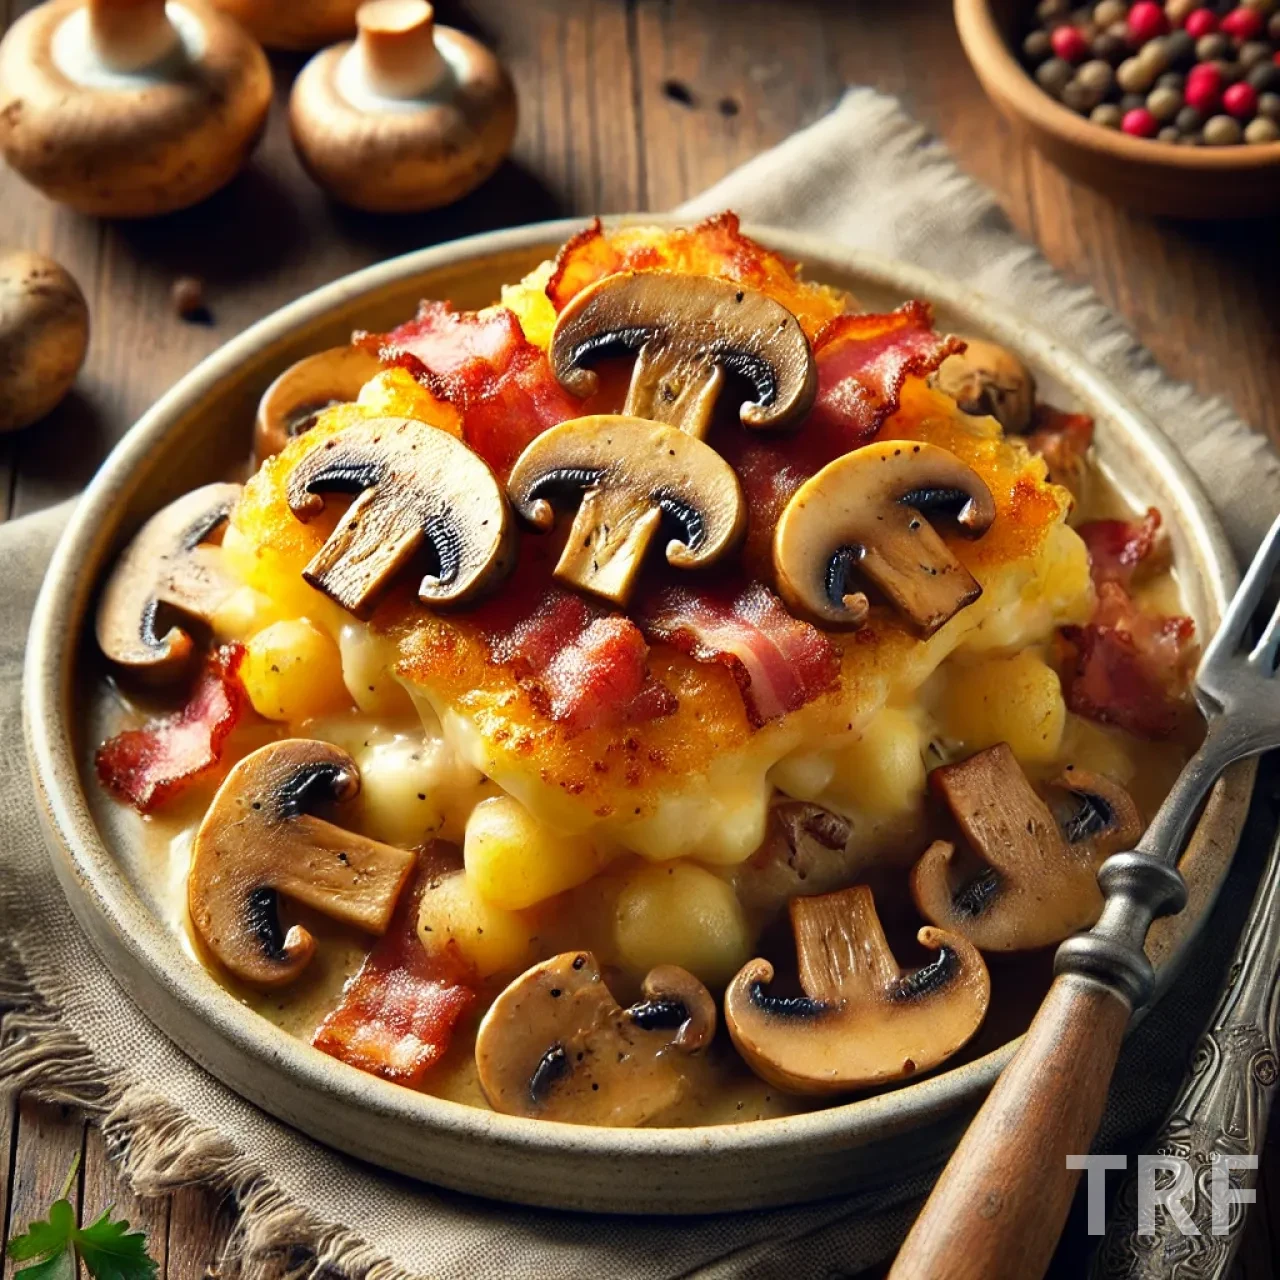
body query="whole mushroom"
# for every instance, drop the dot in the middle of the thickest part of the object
(310, 25)
(44, 331)
(410, 116)
(129, 108)
(988, 379)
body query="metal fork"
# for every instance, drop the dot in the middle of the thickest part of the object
(998, 1209)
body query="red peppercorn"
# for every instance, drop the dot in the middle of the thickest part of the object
(1242, 23)
(1140, 123)
(1146, 21)
(1240, 100)
(1200, 22)
(1069, 44)
(1203, 88)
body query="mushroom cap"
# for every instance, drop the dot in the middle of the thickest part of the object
(864, 513)
(44, 332)
(258, 842)
(168, 568)
(391, 155)
(556, 1045)
(685, 327)
(316, 382)
(417, 485)
(279, 24)
(861, 1021)
(130, 145)
(1036, 878)
(988, 379)
(633, 474)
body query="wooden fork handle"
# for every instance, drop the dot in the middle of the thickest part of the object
(998, 1209)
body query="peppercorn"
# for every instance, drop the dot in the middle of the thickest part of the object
(1135, 76)
(1188, 120)
(1069, 44)
(1054, 76)
(1273, 27)
(1213, 46)
(1253, 52)
(1037, 46)
(187, 298)
(1146, 21)
(1105, 12)
(1164, 104)
(1263, 7)
(1128, 101)
(1260, 131)
(1240, 100)
(1139, 123)
(1098, 76)
(1191, 140)
(1171, 80)
(1168, 134)
(1048, 10)
(1204, 88)
(1269, 106)
(1203, 22)
(1111, 48)
(1108, 115)
(1221, 131)
(1178, 11)
(1242, 24)
(1228, 70)
(1265, 77)
(1181, 49)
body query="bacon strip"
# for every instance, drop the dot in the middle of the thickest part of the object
(148, 766)
(1119, 548)
(1063, 441)
(584, 667)
(398, 1014)
(481, 363)
(779, 662)
(1129, 668)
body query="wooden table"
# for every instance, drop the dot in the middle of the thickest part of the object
(625, 104)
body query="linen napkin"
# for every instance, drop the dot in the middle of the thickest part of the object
(864, 175)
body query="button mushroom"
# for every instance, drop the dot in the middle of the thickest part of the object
(688, 332)
(310, 25)
(1030, 878)
(411, 116)
(556, 1045)
(169, 571)
(633, 476)
(416, 484)
(260, 842)
(988, 379)
(864, 513)
(44, 331)
(861, 1020)
(289, 406)
(127, 108)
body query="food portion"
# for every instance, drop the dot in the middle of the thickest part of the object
(666, 696)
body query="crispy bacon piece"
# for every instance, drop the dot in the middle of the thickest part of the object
(481, 363)
(148, 766)
(1063, 441)
(584, 666)
(1130, 668)
(779, 662)
(1119, 548)
(398, 1014)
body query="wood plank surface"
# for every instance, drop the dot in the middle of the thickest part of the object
(625, 104)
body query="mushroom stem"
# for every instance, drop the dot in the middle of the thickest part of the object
(666, 386)
(127, 35)
(396, 47)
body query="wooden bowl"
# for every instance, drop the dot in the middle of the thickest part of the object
(1153, 177)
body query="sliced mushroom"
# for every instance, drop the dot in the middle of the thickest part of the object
(633, 476)
(861, 1020)
(259, 842)
(1030, 879)
(688, 331)
(416, 484)
(168, 569)
(804, 849)
(865, 513)
(556, 1045)
(988, 379)
(290, 405)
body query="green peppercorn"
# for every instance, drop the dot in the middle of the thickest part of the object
(1105, 12)
(1260, 131)
(1155, 55)
(1080, 97)
(1037, 47)
(1113, 49)
(1135, 76)
(1098, 76)
(1172, 80)
(1168, 134)
(1108, 115)
(1269, 106)
(1178, 11)
(1228, 70)
(1221, 131)
(1164, 104)
(1253, 52)
(1054, 76)
(1048, 10)
(1215, 45)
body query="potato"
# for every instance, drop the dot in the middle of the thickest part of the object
(292, 672)
(367, 662)
(515, 861)
(494, 940)
(883, 773)
(401, 801)
(681, 913)
(804, 775)
(1016, 700)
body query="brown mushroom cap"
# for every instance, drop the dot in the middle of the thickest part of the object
(556, 1045)
(988, 379)
(316, 382)
(633, 475)
(1035, 881)
(688, 332)
(123, 108)
(409, 117)
(294, 24)
(44, 332)
(258, 843)
(168, 569)
(861, 1020)
(417, 485)
(864, 513)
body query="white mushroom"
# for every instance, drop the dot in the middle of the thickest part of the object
(410, 116)
(127, 108)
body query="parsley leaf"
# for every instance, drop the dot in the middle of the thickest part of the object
(108, 1249)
